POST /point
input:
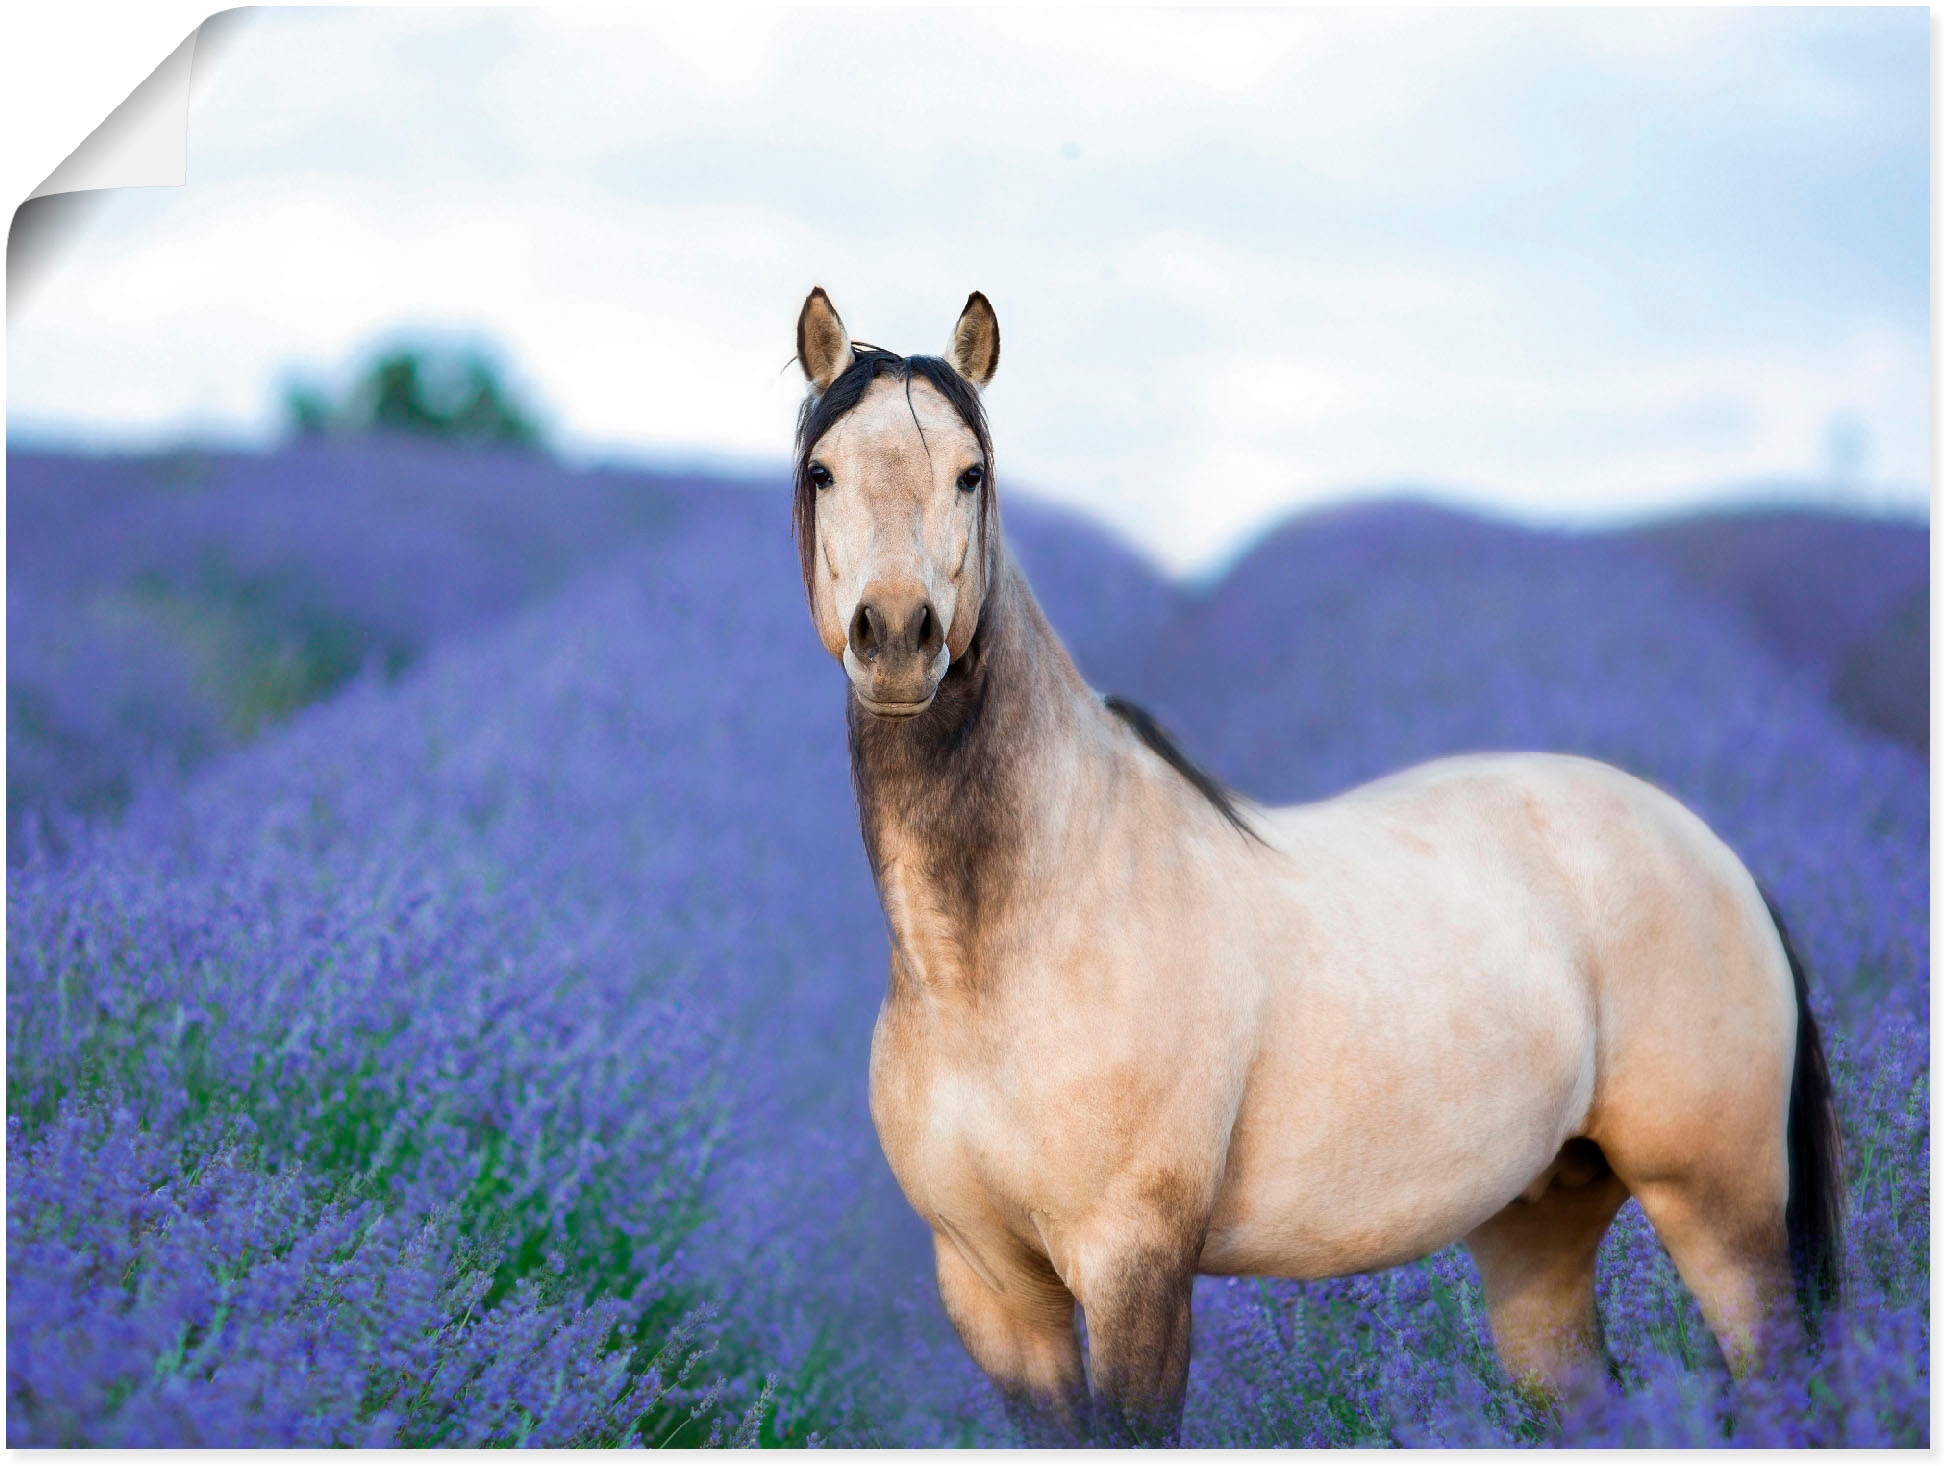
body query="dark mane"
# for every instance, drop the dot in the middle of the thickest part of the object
(821, 413)
(1206, 784)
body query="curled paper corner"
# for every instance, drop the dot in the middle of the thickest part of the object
(143, 143)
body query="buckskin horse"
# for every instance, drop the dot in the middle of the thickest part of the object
(1138, 1028)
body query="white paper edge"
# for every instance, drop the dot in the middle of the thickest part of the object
(64, 68)
(143, 143)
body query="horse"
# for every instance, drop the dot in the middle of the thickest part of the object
(1138, 1028)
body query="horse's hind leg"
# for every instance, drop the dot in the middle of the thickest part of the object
(1712, 1176)
(1725, 1234)
(1536, 1262)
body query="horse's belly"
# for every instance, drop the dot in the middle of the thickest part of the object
(1389, 1118)
(1315, 1216)
(1327, 1183)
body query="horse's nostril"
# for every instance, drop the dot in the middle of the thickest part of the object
(864, 634)
(877, 636)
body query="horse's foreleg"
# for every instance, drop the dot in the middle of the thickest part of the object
(1138, 1345)
(1025, 1340)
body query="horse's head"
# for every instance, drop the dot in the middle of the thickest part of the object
(894, 508)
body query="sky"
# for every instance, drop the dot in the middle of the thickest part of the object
(1569, 266)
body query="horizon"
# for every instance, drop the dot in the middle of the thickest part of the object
(1756, 498)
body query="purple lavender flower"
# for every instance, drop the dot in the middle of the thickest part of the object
(478, 1054)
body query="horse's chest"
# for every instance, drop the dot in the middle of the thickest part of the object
(970, 1155)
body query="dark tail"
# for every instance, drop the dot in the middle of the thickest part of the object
(1815, 1214)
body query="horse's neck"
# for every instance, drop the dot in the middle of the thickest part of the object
(954, 802)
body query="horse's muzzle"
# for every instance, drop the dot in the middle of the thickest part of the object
(895, 653)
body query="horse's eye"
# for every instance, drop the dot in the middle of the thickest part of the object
(819, 476)
(972, 478)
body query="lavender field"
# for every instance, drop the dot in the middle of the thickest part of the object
(441, 959)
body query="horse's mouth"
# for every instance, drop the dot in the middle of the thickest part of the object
(896, 709)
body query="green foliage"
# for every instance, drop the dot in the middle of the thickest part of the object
(431, 391)
(262, 646)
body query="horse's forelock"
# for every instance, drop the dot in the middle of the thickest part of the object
(821, 412)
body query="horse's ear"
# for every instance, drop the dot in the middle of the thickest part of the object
(974, 350)
(823, 345)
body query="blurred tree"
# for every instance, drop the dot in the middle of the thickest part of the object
(306, 411)
(435, 391)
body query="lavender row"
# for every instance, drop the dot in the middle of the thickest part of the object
(163, 609)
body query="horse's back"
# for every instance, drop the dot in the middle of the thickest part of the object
(1665, 917)
(1605, 863)
(1480, 958)
(1627, 885)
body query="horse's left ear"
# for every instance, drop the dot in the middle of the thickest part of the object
(974, 350)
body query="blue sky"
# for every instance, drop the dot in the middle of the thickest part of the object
(1568, 265)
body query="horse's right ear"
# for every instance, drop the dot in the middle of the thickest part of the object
(823, 345)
